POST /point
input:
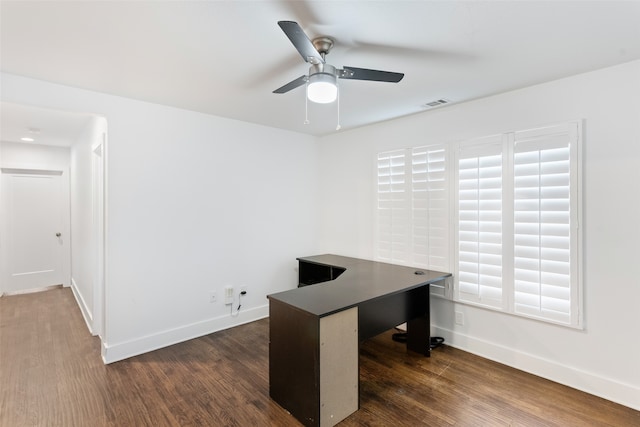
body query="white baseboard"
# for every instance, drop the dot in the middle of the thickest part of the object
(615, 391)
(119, 351)
(84, 309)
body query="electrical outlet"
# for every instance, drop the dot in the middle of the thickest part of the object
(213, 296)
(228, 295)
(459, 318)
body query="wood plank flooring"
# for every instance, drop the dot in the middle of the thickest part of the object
(51, 374)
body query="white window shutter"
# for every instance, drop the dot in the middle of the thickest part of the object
(412, 224)
(544, 236)
(479, 222)
(430, 207)
(393, 214)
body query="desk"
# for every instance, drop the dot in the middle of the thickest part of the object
(314, 331)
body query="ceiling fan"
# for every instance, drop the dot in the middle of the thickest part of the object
(322, 79)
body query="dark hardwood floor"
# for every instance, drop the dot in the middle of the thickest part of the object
(51, 374)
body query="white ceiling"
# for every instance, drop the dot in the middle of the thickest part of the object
(226, 57)
(44, 126)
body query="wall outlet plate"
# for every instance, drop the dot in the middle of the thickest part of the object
(459, 318)
(228, 295)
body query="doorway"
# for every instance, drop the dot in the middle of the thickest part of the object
(27, 166)
(34, 237)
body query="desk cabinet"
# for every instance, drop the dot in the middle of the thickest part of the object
(313, 363)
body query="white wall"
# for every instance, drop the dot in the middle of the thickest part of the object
(83, 263)
(195, 202)
(35, 156)
(602, 359)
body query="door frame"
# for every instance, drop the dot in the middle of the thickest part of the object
(98, 195)
(66, 220)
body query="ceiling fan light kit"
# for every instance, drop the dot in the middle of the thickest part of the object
(322, 86)
(322, 81)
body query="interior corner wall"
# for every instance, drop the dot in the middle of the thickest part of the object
(603, 358)
(82, 243)
(194, 203)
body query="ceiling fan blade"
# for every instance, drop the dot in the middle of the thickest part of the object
(292, 85)
(301, 42)
(354, 73)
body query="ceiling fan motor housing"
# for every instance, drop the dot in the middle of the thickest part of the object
(323, 45)
(322, 69)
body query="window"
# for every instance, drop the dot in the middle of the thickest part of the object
(545, 224)
(430, 207)
(507, 227)
(412, 207)
(393, 222)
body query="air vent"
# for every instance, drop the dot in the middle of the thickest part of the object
(436, 103)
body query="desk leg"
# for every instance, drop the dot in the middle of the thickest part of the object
(294, 346)
(419, 332)
(418, 338)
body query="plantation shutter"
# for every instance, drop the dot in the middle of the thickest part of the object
(544, 233)
(430, 208)
(515, 210)
(479, 227)
(393, 213)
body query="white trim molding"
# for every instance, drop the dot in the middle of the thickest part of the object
(597, 385)
(123, 350)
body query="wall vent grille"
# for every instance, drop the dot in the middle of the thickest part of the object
(436, 103)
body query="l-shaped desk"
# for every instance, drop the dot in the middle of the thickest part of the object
(315, 330)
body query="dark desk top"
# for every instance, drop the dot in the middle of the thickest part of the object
(362, 281)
